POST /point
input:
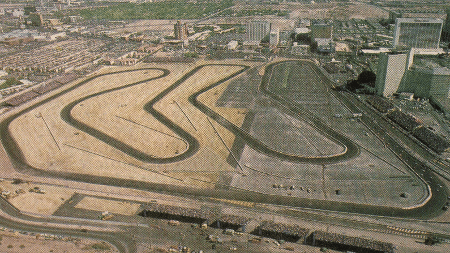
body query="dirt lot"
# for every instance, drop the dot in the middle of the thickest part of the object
(49, 143)
(19, 243)
(58, 146)
(339, 11)
(45, 199)
(112, 206)
(163, 26)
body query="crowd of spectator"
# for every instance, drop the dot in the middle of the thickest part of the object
(410, 124)
(55, 83)
(288, 232)
(176, 211)
(380, 104)
(21, 98)
(431, 139)
(362, 243)
(40, 89)
(234, 220)
(406, 121)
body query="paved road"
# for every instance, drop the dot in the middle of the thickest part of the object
(352, 150)
(12, 218)
(104, 137)
(431, 208)
(389, 135)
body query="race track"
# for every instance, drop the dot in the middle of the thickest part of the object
(193, 141)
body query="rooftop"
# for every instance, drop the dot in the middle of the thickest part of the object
(419, 20)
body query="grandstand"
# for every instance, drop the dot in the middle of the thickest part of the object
(292, 233)
(39, 90)
(176, 213)
(431, 139)
(380, 104)
(347, 243)
(406, 121)
(21, 98)
(410, 124)
(66, 78)
(232, 221)
(44, 88)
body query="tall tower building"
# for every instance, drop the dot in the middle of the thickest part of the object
(422, 33)
(257, 30)
(274, 37)
(180, 31)
(446, 28)
(390, 70)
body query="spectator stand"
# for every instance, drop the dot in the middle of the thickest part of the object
(228, 221)
(281, 231)
(348, 243)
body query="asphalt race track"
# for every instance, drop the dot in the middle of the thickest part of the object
(352, 150)
(67, 117)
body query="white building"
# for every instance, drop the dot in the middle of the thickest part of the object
(274, 37)
(26, 82)
(256, 31)
(397, 73)
(299, 49)
(302, 30)
(17, 13)
(423, 33)
(232, 45)
(3, 73)
(55, 36)
(390, 71)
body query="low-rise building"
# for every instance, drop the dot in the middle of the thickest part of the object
(232, 45)
(426, 82)
(56, 36)
(297, 49)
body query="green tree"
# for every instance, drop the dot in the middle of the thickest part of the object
(191, 55)
(431, 240)
(12, 81)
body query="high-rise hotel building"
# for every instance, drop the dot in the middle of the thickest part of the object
(256, 31)
(180, 31)
(422, 33)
